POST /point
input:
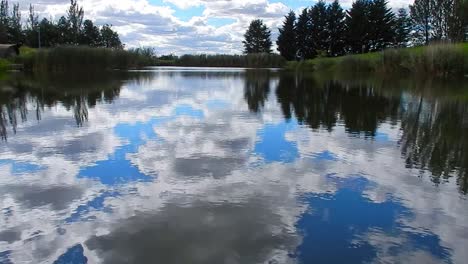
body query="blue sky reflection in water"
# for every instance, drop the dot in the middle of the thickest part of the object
(231, 167)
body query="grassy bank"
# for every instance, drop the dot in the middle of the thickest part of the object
(77, 58)
(439, 60)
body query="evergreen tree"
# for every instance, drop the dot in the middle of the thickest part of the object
(49, 33)
(257, 38)
(336, 29)
(305, 45)
(402, 28)
(63, 28)
(90, 34)
(358, 26)
(287, 38)
(319, 30)
(110, 38)
(381, 25)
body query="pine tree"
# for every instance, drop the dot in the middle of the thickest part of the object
(63, 28)
(305, 44)
(336, 29)
(358, 25)
(257, 38)
(381, 25)
(287, 38)
(421, 18)
(402, 28)
(90, 35)
(49, 33)
(319, 30)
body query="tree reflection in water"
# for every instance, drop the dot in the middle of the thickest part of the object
(23, 94)
(434, 127)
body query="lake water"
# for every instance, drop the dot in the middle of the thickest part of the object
(187, 165)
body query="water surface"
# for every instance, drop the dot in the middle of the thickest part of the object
(193, 165)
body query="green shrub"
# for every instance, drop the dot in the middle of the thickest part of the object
(393, 61)
(4, 65)
(355, 63)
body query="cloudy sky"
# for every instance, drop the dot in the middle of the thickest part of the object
(182, 26)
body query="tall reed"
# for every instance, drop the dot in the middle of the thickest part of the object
(437, 60)
(443, 60)
(81, 58)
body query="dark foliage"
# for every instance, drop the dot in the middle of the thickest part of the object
(402, 28)
(71, 29)
(319, 31)
(257, 38)
(336, 29)
(358, 24)
(287, 38)
(305, 44)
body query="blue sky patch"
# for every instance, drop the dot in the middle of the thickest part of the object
(74, 255)
(187, 110)
(96, 204)
(325, 156)
(381, 137)
(334, 229)
(273, 145)
(19, 167)
(217, 104)
(219, 22)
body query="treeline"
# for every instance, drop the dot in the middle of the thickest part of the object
(368, 26)
(255, 60)
(71, 29)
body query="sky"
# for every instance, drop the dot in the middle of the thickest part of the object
(182, 26)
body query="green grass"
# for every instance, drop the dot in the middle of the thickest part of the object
(4, 65)
(438, 60)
